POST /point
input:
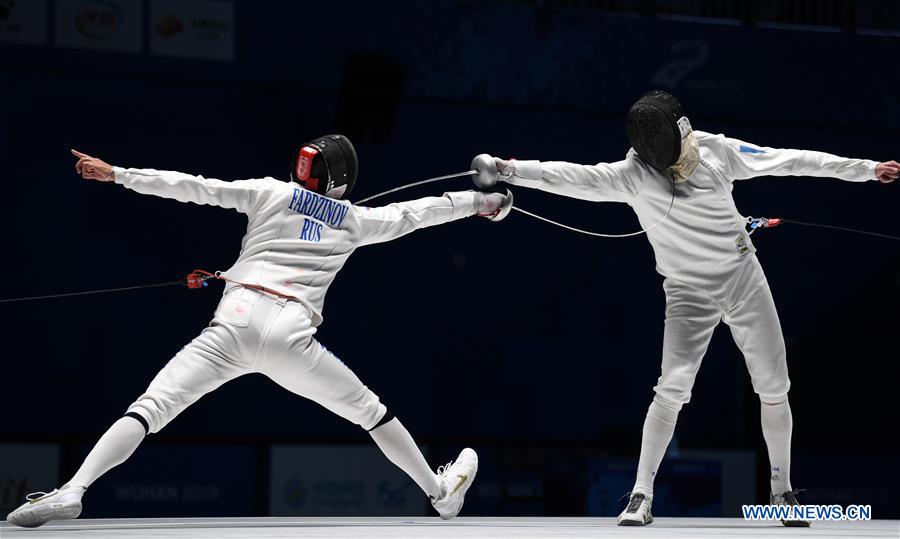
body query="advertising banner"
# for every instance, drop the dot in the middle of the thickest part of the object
(110, 25)
(200, 29)
(23, 22)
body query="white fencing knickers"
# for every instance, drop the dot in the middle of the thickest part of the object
(744, 302)
(256, 332)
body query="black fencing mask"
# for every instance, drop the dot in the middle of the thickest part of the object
(656, 126)
(326, 165)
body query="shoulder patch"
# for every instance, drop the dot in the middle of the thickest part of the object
(750, 149)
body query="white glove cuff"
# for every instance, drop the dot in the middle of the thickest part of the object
(464, 204)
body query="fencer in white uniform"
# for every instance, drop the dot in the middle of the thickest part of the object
(706, 256)
(299, 235)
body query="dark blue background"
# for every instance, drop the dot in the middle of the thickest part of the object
(516, 334)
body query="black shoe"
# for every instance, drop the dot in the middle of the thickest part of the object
(637, 513)
(789, 498)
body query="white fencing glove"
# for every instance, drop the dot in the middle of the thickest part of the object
(493, 206)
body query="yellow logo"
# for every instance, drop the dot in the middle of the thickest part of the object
(462, 479)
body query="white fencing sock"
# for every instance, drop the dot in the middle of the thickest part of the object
(398, 446)
(777, 424)
(658, 429)
(113, 448)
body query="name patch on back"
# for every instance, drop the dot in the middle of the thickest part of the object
(318, 207)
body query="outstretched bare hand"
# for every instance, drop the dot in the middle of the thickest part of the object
(91, 168)
(887, 172)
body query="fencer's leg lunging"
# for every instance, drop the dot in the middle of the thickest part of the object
(447, 488)
(399, 447)
(299, 363)
(197, 369)
(113, 448)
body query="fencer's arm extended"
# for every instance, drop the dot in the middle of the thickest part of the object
(241, 195)
(604, 182)
(749, 161)
(389, 222)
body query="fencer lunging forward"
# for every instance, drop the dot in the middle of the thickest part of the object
(299, 235)
(708, 261)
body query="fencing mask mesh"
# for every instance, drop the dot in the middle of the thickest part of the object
(654, 131)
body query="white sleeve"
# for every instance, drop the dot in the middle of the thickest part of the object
(394, 220)
(748, 161)
(604, 182)
(241, 195)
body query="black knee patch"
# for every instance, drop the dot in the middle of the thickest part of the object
(387, 417)
(140, 419)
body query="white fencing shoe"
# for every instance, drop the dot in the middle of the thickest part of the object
(42, 507)
(456, 478)
(637, 513)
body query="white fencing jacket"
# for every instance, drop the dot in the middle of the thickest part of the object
(703, 240)
(297, 240)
